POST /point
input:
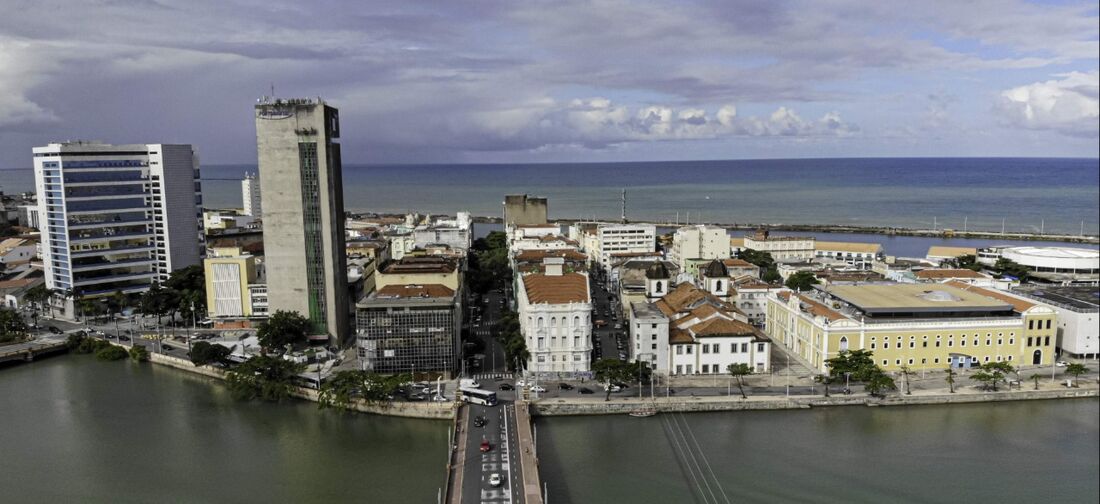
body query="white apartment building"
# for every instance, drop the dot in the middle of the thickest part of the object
(698, 242)
(554, 311)
(615, 239)
(116, 217)
(455, 233)
(850, 254)
(1078, 309)
(250, 195)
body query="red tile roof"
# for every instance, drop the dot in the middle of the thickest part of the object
(556, 289)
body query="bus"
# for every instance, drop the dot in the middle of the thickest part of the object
(479, 396)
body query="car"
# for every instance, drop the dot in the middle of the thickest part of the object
(600, 323)
(485, 446)
(54, 330)
(469, 383)
(167, 348)
(618, 326)
(612, 387)
(585, 390)
(506, 386)
(1061, 363)
(565, 386)
(521, 383)
(439, 398)
(537, 388)
(123, 337)
(494, 479)
(480, 421)
(415, 397)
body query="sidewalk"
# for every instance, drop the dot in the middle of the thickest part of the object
(529, 462)
(455, 465)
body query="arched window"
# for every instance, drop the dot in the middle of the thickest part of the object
(843, 343)
(540, 323)
(718, 285)
(576, 321)
(657, 288)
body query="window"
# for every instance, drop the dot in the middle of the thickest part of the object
(936, 360)
(706, 348)
(1030, 324)
(1046, 341)
(654, 346)
(542, 358)
(715, 348)
(733, 347)
(897, 362)
(872, 345)
(886, 344)
(1048, 323)
(759, 347)
(843, 343)
(912, 344)
(910, 362)
(744, 348)
(679, 351)
(1029, 340)
(690, 350)
(885, 362)
(962, 342)
(679, 369)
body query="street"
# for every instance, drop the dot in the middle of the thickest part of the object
(500, 432)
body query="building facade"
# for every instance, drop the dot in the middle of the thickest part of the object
(952, 325)
(698, 242)
(782, 248)
(555, 311)
(614, 239)
(250, 195)
(1078, 309)
(116, 217)
(230, 276)
(522, 210)
(303, 198)
(409, 329)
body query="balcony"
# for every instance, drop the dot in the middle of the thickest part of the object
(122, 263)
(99, 280)
(111, 237)
(145, 247)
(143, 221)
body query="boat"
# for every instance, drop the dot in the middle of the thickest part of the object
(644, 412)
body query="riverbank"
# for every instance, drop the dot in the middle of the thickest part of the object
(422, 410)
(620, 406)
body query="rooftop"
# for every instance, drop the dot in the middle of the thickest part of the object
(918, 298)
(855, 247)
(537, 255)
(944, 274)
(556, 289)
(1076, 298)
(942, 251)
(420, 265)
(415, 291)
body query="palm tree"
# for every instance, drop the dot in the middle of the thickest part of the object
(905, 371)
(739, 371)
(1076, 370)
(1035, 378)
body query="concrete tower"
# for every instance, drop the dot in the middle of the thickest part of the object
(250, 195)
(303, 198)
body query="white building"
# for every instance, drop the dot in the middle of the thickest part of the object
(698, 242)
(555, 316)
(250, 195)
(29, 216)
(455, 233)
(613, 239)
(1064, 265)
(691, 331)
(1078, 309)
(16, 251)
(849, 254)
(117, 217)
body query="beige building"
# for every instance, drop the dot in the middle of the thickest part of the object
(420, 271)
(782, 248)
(230, 273)
(939, 253)
(698, 242)
(916, 325)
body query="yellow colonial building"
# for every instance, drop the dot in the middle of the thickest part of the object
(923, 326)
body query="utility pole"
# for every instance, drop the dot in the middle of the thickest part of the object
(624, 206)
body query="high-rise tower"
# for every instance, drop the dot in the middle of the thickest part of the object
(303, 212)
(250, 195)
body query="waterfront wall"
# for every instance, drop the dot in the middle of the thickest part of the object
(576, 407)
(428, 410)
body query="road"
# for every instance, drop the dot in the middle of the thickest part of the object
(493, 363)
(607, 342)
(500, 432)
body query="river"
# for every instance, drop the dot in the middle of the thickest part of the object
(1036, 451)
(73, 429)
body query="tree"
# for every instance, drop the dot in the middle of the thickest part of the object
(951, 379)
(905, 371)
(763, 260)
(739, 371)
(204, 353)
(857, 363)
(12, 327)
(611, 371)
(1008, 267)
(1035, 378)
(801, 281)
(1076, 370)
(282, 329)
(265, 377)
(878, 384)
(341, 389)
(138, 353)
(511, 338)
(111, 353)
(968, 261)
(39, 296)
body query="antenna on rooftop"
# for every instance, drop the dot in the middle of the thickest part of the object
(272, 90)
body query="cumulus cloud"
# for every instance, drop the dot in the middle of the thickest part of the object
(21, 71)
(1069, 105)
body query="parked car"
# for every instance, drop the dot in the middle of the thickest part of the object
(506, 386)
(601, 323)
(521, 383)
(585, 390)
(167, 348)
(612, 387)
(123, 337)
(494, 479)
(1061, 363)
(54, 330)
(565, 386)
(538, 388)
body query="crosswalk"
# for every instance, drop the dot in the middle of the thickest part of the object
(494, 376)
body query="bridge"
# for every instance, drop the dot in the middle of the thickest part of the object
(511, 456)
(30, 350)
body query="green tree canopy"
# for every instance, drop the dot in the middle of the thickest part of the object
(1076, 370)
(12, 327)
(204, 353)
(281, 329)
(857, 363)
(613, 371)
(801, 281)
(265, 377)
(740, 371)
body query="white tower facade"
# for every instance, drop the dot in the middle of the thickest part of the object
(250, 195)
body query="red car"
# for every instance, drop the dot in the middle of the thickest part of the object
(485, 446)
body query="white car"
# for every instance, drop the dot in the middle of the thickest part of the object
(1061, 363)
(537, 388)
(521, 383)
(494, 479)
(439, 398)
(613, 388)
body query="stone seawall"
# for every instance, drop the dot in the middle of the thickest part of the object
(427, 410)
(575, 407)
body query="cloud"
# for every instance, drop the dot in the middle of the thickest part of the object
(1070, 105)
(22, 70)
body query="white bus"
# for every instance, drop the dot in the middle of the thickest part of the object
(479, 396)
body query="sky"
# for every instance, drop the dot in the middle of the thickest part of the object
(560, 81)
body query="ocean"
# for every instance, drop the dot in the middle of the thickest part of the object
(1055, 195)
